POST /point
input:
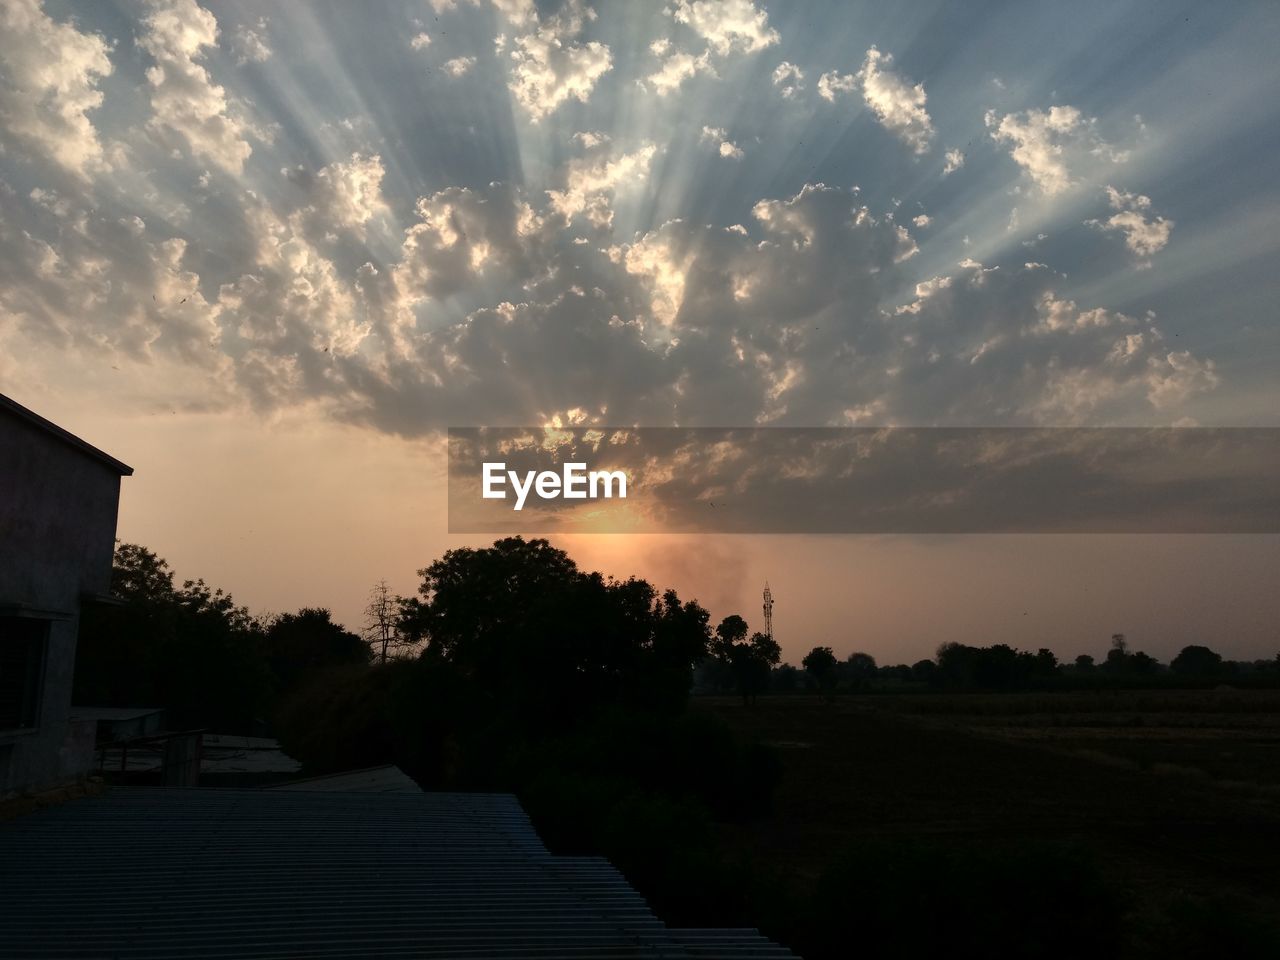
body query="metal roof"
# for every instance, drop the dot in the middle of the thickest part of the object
(385, 779)
(154, 873)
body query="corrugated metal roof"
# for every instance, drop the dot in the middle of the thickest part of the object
(385, 779)
(153, 873)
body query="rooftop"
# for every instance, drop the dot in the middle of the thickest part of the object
(18, 410)
(321, 872)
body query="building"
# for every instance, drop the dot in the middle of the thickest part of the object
(58, 502)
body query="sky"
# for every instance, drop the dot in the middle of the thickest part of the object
(267, 253)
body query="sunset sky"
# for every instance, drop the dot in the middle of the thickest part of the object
(267, 253)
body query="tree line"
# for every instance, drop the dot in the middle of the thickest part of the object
(1000, 667)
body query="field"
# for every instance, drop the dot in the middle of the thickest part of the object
(1173, 795)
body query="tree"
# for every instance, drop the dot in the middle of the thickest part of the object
(731, 631)
(1121, 663)
(821, 664)
(303, 643)
(536, 637)
(924, 671)
(861, 669)
(382, 620)
(747, 662)
(1197, 661)
(190, 650)
(752, 663)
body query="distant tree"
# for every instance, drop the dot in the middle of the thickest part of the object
(300, 644)
(860, 669)
(745, 663)
(1142, 665)
(731, 631)
(382, 619)
(923, 671)
(998, 667)
(752, 663)
(1121, 663)
(821, 662)
(900, 672)
(1197, 661)
(1084, 664)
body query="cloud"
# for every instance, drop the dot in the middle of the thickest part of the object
(549, 64)
(369, 284)
(100, 285)
(1142, 236)
(727, 25)
(899, 104)
(249, 43)
(954, 161)
(1047, 144)
(517, 12)
(789, 79)
(459, 66)
(662, 260)
(184, 99)
(831, 84)
(727, 149)
(676, 68)
(349, 194)
(590, 180)
(49, 85)
(420, 41)
(1054, 362)
(465, 237)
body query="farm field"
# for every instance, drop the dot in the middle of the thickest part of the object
(1173, 795)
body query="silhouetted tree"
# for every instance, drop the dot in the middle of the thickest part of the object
(752, 663)
(861, 669)
(1121, 663)
(924, 671)
(301, 643)
(188, 649)
(1197, 661)
(536, 636)
(731, 631)
(821, 664)
(382, 623)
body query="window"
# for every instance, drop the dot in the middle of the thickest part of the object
(22, 643)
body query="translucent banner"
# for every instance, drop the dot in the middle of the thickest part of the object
(864, 480)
